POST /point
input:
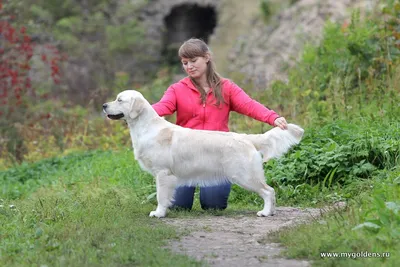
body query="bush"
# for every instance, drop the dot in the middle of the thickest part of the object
(354, 71)
(17, 95)
(338, 153)
(332, 163)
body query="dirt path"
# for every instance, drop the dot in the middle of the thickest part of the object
(237, 240)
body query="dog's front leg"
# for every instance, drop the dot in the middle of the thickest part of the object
(165, 183)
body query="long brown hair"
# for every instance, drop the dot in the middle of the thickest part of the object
(198, 48)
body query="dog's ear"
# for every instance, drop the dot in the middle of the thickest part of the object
(136, 107)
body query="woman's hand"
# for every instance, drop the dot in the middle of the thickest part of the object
(281, 123)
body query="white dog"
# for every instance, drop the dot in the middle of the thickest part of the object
(180, 156)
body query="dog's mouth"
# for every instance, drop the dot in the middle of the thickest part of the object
(116, 116)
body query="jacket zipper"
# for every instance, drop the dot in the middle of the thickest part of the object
(204, 109)
(204, 115)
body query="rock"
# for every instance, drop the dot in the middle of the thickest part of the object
(264, 53)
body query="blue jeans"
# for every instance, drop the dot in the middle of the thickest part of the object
(211, 197)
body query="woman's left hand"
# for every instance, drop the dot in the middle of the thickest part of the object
(281, 123)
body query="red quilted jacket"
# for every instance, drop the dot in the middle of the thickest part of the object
(184, 98)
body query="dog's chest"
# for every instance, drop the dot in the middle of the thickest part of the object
(144, 160)
(152, 159)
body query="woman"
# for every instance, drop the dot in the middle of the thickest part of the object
(203, 101)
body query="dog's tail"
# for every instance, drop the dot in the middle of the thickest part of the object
(276, 142)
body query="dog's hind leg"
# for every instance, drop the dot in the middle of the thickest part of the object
(266, 192)
(253, 179)
(165, 183)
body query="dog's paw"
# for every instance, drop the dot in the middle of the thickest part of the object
(263, 213)
(157, 214)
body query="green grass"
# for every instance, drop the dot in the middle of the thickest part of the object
(117, 167)
(91, 209)
(370, 223)
(83, 210)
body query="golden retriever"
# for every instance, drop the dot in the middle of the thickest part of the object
(178, 156)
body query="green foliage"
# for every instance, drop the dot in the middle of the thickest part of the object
(366, 159)
(98, 36)
(370, 223)
(130, 35)
(265, 7)
(333, 158)
(18, 93)
(17, 182)
(352, 150)
(352, 72)
(332, 163)
(64, 130)
(155, 90)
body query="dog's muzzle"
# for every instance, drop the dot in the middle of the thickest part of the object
(112, 116)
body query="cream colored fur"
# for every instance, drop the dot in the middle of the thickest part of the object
(180, 156)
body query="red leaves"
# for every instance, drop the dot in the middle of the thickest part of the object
(3, 93)
(16, 53)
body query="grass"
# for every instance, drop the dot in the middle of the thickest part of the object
(89, 210)
(119, 167)
(370, 223)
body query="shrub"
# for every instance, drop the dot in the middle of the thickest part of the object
(17, 94)
(354, 71)
(336, 155)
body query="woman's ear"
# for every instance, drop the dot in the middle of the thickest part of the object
(207, 57)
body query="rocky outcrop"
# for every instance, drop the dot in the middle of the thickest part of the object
(268, 49)
(169, 23)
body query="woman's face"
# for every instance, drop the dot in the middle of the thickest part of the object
(195, 67)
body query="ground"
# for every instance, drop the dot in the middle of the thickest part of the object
(239, 239)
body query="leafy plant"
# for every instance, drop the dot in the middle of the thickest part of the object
(17, 95)
(351, 73)
(265, 7)
(333, 157)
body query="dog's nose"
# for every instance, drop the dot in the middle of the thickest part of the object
(104, 106)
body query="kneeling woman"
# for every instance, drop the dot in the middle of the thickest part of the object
(203, 101)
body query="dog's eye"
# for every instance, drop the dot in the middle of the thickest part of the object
(119, 100)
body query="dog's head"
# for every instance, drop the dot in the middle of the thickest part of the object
(128, 105)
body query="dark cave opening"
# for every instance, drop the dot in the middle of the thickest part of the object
(184, 22)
